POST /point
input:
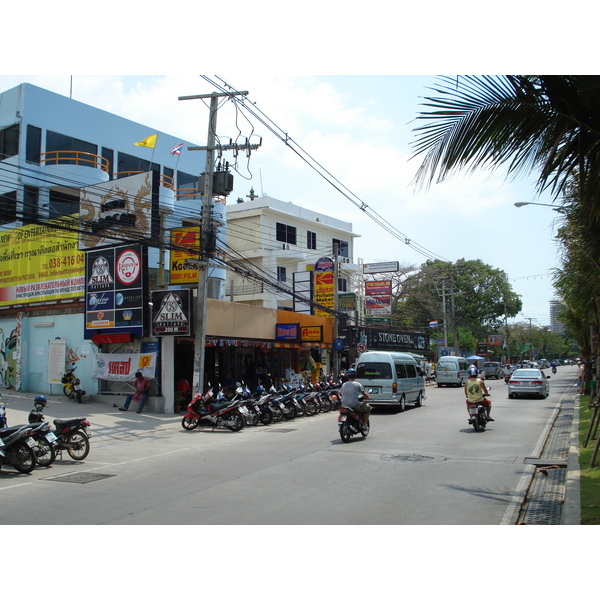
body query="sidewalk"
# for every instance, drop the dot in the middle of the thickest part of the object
(107, 422)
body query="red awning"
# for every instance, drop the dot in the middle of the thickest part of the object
(111, 338)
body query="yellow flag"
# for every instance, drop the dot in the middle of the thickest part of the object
(148, 142)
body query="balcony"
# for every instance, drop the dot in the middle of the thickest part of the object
(67, 169)
(166, 193)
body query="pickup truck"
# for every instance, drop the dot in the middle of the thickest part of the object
(492, 370)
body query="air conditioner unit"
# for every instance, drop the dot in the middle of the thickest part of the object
(345, 259)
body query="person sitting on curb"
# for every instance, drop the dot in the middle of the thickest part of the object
(142, 390)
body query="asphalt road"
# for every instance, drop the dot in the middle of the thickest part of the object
(425, 466)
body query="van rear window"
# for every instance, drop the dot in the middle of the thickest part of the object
(373, 371)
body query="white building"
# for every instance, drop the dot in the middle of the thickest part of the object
(281, 241)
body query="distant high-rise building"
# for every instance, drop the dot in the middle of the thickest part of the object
(556, 307)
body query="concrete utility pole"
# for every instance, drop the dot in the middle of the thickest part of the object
(200, 328)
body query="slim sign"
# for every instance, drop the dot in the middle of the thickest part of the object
(171, 312)
(116, 293)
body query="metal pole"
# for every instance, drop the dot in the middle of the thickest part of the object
(200, 331)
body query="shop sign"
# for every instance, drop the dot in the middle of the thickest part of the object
(184, 264)
(385, 267)
(171, 312)
(324, 265)
(324, 293)
(116, 291)
(123, 367)
(378, 288)
(378, 305)
(312, 333)
(347, 301)
(287, 331)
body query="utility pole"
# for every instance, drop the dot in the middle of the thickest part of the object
(205, 226)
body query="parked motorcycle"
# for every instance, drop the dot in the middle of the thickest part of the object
(72, 435)
(223, 413)
(72, 385)
(17, 448)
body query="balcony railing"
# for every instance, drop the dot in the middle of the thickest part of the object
(165, 180)
(74, 157)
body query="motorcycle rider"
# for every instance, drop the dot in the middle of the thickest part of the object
(475, 391)
(354, 396)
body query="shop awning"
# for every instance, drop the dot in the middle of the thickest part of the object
(301, 345)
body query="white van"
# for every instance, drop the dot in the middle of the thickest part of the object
(452, 370)
(391, 379)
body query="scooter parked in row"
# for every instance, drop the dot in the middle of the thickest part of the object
(203, 410)
(72, 435)
(17, 448)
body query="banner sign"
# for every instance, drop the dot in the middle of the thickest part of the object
(386, 267)
(171, 313)
(40, 263)
(392, 341)
(312, 333)
(123, 367)
(378, 288)
(184, 265)
(116, 291)
(120, 209)
(287, 331)
(378, 305)
(324, 293)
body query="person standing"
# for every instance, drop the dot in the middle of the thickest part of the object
(142, 390)
(580, 373)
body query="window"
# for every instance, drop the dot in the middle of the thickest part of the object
(401, 371)
(109, 155)
(33, 144)
(342, 247)
(311, 240)
(132, 164)
(62, 204)
(64, 143)
(374, 370)
(281, 274)
(286, 234)
(9, 142)
(31, 197)
(411, 370)
(186, 181)
(8, 207)
(342, 285)
(169, 173)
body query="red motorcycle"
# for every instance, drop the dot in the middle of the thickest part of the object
(202, 410)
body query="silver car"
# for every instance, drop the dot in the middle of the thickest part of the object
(524, 382)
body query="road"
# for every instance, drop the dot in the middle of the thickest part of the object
(425, 466)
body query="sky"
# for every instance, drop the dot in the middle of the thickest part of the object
(359, 128)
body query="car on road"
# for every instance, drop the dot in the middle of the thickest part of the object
(528, 382)
(492, 369)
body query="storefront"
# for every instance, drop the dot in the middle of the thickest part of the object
(242, 344)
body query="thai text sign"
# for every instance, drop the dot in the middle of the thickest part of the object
(184, 264)
(41, 262)
(324, 293)
(123, 367)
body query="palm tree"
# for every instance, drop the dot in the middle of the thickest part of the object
(548, 123)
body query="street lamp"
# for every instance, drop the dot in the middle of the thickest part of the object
(559, 209)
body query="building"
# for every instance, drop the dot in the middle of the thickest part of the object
(556, 326)
(58, 157)
(283, 241)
